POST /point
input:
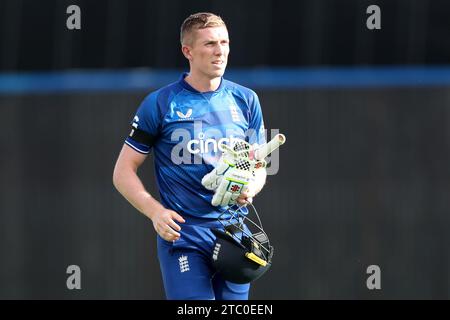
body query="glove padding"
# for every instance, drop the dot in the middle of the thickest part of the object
(233, 174)
(211, 181)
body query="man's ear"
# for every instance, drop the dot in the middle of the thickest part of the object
(186, 51)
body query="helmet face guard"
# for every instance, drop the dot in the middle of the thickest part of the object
(240, 255)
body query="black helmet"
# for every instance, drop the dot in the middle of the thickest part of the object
(240, 255)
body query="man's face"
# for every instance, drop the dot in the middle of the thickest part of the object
(208, 52)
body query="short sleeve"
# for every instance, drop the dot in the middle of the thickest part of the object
(145, 126)
(256, 132)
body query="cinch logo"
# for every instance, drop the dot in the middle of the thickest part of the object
(203, 145)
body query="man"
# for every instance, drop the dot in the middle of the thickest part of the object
(183, 123)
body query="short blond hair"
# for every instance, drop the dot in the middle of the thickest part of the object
(200, 20)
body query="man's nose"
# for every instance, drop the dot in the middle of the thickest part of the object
(219, 50)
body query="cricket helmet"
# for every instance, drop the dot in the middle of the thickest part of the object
(240, 255)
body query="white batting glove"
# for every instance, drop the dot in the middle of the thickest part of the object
(211, 181)
(233, 173)
(233, 183)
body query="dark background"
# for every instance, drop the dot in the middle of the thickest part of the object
(145, 33)
(364, 176)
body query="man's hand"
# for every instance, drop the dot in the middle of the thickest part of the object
(245, 197)
(165, 226)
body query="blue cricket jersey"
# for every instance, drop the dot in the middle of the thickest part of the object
(184, 127)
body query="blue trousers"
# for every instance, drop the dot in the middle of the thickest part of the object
(187, 271)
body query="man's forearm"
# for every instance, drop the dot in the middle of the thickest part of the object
(130, 186)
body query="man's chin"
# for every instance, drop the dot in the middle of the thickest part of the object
(218, 73)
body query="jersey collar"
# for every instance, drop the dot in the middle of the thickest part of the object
(187, 86)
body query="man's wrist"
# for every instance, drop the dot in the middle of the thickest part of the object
(152, 206)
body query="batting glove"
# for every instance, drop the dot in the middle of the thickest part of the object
(233, 173)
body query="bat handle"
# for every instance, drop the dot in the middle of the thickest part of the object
(269, 147)
(281, 138)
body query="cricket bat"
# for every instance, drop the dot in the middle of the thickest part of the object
(266, 149)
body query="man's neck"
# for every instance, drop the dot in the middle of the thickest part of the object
(202, 84)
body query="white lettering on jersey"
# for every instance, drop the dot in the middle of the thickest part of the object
(195, 146)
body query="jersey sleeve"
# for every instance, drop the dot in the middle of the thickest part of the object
(256, 132)
(145, 126)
